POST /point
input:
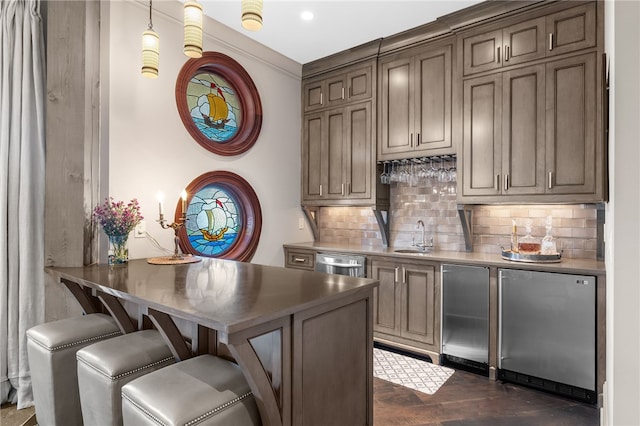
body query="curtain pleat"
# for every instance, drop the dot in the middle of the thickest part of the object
(22, 184)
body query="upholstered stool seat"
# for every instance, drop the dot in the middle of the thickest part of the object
(205, 390)
(52, 348)
(104, 367)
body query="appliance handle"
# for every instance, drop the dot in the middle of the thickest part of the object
(342, 265)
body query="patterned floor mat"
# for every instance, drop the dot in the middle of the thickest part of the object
(409, 372)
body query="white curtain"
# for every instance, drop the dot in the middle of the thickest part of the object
(22, 164)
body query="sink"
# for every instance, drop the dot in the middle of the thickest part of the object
(411, 251)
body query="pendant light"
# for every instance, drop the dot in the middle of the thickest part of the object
(150, 50)
(193, 29)
(252, 14)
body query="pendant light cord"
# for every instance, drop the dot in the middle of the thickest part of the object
(150, 20)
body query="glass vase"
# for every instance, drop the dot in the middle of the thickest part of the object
(118, 249)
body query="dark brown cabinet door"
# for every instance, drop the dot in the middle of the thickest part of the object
(418, 304)
(523, 131)
(482, 135)
(336, 137)
(312, 95)
(386, 316)
(482, 52)
(572, 29)
(314, 149)
(359, 157)
(396, 107)
(359, 84)
(432, 100)
(571, 125)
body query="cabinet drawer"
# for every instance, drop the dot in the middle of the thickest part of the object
(300, 260)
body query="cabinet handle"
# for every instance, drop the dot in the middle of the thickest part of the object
(395, 274)
(550, 180)
(299, 260)
(496, 185)
(343, 93)
(507, 50)
(550, 41)
(498, 55)
(321, 99)
(411, 140)
(342, 190)
(404, 275)
(506, 182)
(321, 190)
(417, 139)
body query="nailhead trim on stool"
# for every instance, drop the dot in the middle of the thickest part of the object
(104, 367)
(52, 351)
(205, 390)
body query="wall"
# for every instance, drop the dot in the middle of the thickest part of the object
(622, 390)
(574, 226)
(149, 149)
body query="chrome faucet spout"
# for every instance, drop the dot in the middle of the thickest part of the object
(422, 244)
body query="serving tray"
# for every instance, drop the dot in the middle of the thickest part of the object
(531, 258)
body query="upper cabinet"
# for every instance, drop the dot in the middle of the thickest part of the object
(557, 33)
(338, 89)
(338, 138)
(415, 102)
(503, 47)
(532, 128)
(517, 90)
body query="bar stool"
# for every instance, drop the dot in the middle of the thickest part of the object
(104, 367)
(204, 390)
(51, 348)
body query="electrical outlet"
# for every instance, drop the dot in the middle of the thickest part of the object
(140, 230)
(300, 223)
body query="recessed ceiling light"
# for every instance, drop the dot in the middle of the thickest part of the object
(306, 15)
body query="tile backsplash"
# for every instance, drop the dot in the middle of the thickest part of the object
(574, 226)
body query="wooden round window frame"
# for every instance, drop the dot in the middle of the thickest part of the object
(239, 79)
(245, 245)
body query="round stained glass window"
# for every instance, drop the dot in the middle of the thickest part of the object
(219, 104)
(223, 217)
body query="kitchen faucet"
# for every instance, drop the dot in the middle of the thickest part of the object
(423, 244)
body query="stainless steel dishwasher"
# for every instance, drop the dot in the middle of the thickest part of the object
(341, 264)
(548, 332)
(465, 317)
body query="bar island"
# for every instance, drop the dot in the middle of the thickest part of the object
(304, 340)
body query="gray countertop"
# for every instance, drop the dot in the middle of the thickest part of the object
(570, 266)
(221, 294)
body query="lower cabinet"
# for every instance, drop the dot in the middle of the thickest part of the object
(407, 304)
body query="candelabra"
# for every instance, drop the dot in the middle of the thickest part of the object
(176, 226)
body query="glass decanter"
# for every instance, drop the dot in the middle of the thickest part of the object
(529, 244)
(548, 246)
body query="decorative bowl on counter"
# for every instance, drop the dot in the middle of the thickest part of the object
(531, 258)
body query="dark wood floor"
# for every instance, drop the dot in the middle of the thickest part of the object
(468, 399)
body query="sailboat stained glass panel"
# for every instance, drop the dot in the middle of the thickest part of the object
(215, 108)
(213, 220)
(219, 104)
(224, 218)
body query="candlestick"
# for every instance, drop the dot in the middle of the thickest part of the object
(184, 202)
(160, 206)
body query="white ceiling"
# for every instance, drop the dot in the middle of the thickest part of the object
(338, 25)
